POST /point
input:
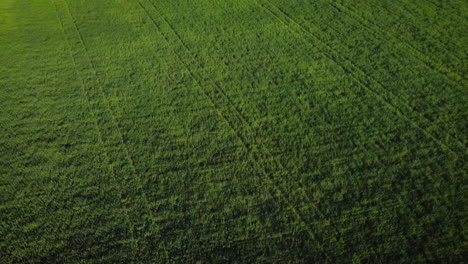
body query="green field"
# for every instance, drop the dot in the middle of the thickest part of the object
(233, 131)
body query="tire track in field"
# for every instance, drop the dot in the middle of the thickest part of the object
(274, 165)
(388, 203)
(220, 90)
(243, 120)
(403, 6)
(385, 36)
(272, 237)
(95, 118)
(386, 97)
(110, 137)
(335, 219)
(390, 94)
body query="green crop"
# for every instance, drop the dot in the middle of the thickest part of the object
(233, 131)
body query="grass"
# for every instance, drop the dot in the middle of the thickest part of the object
(247, 131)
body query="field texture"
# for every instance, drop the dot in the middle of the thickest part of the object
(233, 131)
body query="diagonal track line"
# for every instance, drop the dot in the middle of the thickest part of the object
(335, 228)
(384, 96)
(109, 109)
(99, 100)
(252, 153)
(384, 35)
(100, 137)
(282, 167)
